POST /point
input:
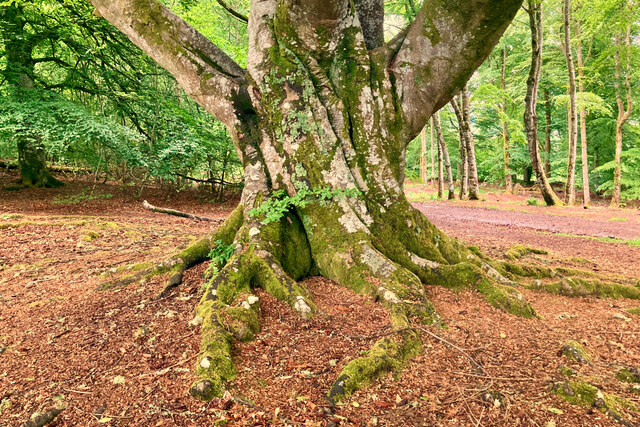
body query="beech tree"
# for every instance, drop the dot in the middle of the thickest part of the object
(321, 118)
(18, 74)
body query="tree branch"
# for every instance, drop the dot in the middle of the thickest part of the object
(445, 44)
(237, 15)
(371, 17)
(206, 73)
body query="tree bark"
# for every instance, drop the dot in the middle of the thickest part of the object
(572, 133)
(442, 148)
(508, 181)
(321, 119)
(586, 198)
(530, 115)
(624, 112)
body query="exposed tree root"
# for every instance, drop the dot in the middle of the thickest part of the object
(194, 254)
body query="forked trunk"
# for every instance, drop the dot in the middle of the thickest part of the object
(321, 119)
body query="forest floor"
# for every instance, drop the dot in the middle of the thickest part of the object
(121, 357)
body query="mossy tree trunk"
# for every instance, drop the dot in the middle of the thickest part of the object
(323, 107)
(18, 72)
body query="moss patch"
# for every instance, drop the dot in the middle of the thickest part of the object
(518, 251)
(588, 396)
(634, 310)
(576, 352)
(628, 374)
(386, 355)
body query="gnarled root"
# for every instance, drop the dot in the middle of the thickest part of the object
(228, 309)
(191, 256)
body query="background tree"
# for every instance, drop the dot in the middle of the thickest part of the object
(534, 10)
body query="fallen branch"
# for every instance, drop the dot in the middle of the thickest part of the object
(464, 353)
(174, 212)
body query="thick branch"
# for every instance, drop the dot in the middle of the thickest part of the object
(444, 46)
(206, 73)
(371, 17)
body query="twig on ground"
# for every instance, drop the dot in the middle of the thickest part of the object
(464, 353)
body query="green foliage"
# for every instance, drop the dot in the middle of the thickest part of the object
(277, 206)
(219, 256)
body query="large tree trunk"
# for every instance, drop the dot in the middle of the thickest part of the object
(586, 199)
(530, 116)
(508, 180)
(18, 74)
(321, 119)
(442, 148)
(572, 133)
(623, 112)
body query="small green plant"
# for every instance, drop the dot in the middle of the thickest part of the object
(74, 199)
(276, 207)
(219, 257)
(532, 202)
(618, 219)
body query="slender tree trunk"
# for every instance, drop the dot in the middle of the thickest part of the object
(530, 115)
(624, 112)
(321, 118)
(474, 188)
(442, 147)
(508, 180)
(547, 133)
(423, 156)
(586, 200)
(433, 171)
(570, 187)
(463, 148)
(440, 174)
